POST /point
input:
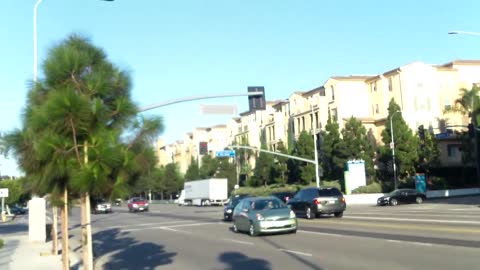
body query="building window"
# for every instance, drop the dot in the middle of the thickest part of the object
(303, 122)
(376, 109)
(374, 86)
(446, 104)
(333, 92)
(334, 115)
(316, 120)
(390, 86)
(453, 150)
(322, 92)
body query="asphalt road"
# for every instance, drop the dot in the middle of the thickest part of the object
(443, 234)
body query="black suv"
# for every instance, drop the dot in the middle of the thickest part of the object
(312, 202)
(232, 202)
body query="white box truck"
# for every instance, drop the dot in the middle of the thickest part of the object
(211, 191)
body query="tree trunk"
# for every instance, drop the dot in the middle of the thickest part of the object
(86, 233)
(54, 231)
(65, 251)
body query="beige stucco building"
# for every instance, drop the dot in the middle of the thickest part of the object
(423, 91)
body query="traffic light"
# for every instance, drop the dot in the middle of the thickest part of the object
(421, 132)
(203, 148)
(256, 102)
(471, 131)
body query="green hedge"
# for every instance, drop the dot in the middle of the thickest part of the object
(1, 243)
(267, 191)
(372, 188)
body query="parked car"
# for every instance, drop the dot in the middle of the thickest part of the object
(137, 204)
(100, 205)
(257, 215)
(284, 196)
(312, 202)
(402, 196)
(232, 202)
(16, 210)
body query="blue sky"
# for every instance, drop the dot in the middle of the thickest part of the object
(180, 48)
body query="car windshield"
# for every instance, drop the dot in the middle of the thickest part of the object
(235, 200)
(266, 204)
(394, 193)
(137, 200)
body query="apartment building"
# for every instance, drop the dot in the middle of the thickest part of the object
(423, 91)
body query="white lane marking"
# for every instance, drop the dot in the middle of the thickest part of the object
(415, 219)
(174, 230)
(238, 241)
(320, 233)
(148, 224)
(193, 224)
(172, 226)
(449, 215)
(410, 242)
(296, 252)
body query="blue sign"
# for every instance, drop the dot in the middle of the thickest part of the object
(420, 183)
(225, 153)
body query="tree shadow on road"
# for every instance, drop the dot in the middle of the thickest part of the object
(239, 261)
(114, 249)
(299, 258)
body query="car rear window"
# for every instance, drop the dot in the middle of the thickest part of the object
(329, 192)
(267, 204)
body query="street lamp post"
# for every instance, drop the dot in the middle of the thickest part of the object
(464, 32)
(317, 176)
(392, 146)
(35, 8)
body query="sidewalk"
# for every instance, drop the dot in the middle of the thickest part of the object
(19, 253)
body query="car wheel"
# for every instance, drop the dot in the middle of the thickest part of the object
(308, 213)
(235, 228)
(393, 202)
(338, 214)
(251, 231)
(294, 231)
(419, 200)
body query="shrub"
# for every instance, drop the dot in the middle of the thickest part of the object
(334, 183)
(1, 243)
(372, 188)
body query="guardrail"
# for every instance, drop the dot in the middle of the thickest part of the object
(371, 198)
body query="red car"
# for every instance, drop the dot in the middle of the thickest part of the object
(137, 204)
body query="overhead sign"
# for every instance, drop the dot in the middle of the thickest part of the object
(3, 192)
(225, 153)
(442, 135)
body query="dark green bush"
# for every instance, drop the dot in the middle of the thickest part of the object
(372, 188)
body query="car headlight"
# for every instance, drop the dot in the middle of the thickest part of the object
(146, 204)
(135, 205)
(260, 217)
(292, 214)
(229, 211)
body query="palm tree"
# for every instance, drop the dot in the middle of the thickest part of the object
(469, 104)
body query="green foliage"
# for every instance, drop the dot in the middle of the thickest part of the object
(173, 181)
(280, 168)
(406, 145)
(228, 170)
(15, 189)
(333, 151)
(374, 187)
(193, 172)
(209, 167)
(1, 243)
(263, 173)
(73, 124)
(304, 148)
(356, 145)
(333, 183)
(429, 154)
